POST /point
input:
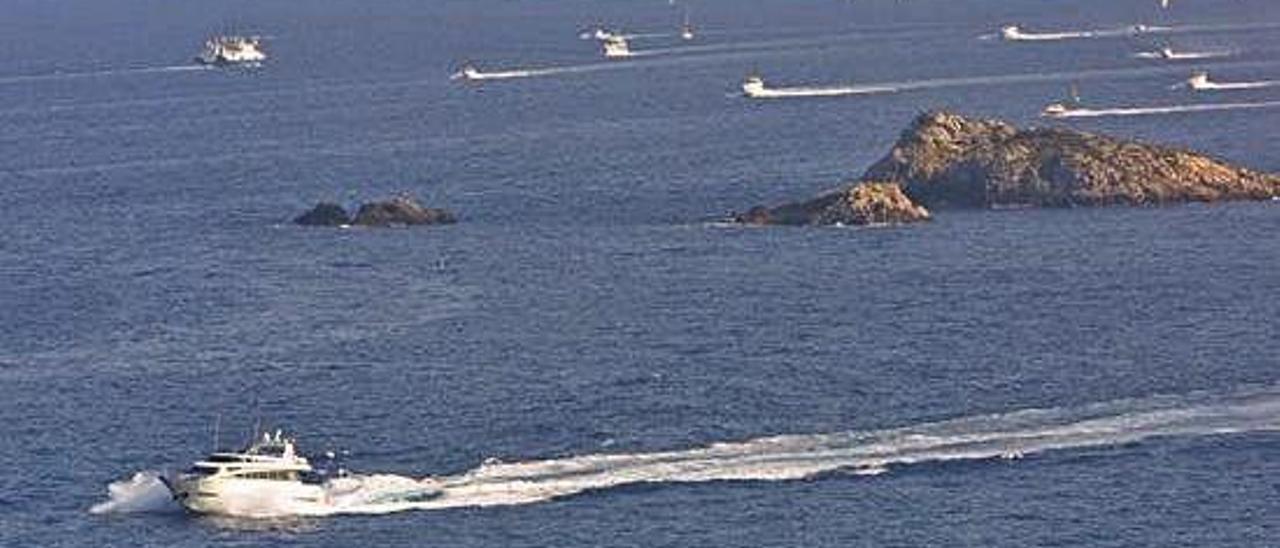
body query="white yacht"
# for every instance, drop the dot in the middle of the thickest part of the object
(268, 471)
(232, 50)
(616, 46)
(686, 29)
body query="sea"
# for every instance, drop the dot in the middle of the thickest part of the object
(591, 356)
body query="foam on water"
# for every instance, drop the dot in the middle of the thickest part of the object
(1185, 55)
(777, 458)
(1019, 35)
(1233, 86)
(978, 81)
(100, 73)
(1174, 109)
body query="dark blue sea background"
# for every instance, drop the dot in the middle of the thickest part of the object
(588, 302)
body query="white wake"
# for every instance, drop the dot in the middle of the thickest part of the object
(778, 458)
(1173, 109)
(974, 81)
(1197, 83)
(1185, 55)
(99, 73)
(1015, 33)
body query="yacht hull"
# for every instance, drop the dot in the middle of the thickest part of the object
(244, 497)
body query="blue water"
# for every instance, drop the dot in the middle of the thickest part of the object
(585, 305)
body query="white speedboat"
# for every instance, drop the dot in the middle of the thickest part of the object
(268, 472)
(1055, 110)
(1012, 32)
(753, 85)
(616, 47)
(468, 73)
(232, 50)
(1200, 81)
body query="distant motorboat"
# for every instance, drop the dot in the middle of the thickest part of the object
(616, 47)
(1199, 81)
(232, 50)
(753, 86)
(1011, 32)
(1058, 110)
(1055, 110)
(468, 73)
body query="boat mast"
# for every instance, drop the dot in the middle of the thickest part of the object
(217, 432)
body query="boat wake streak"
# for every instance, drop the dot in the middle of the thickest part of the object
(1198, 83)
(975, 81)
(1184, 55)
(779, 458)
(99, 73)
(1014, 33)
(660, 57)
(1175, 109)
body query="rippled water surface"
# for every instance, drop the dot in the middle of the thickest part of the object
(632, 372)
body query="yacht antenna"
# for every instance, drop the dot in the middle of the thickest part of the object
(257, 420)
(217, 431)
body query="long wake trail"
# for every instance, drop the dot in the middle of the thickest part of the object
(1175, 109)
(1017, 34)
(54, 76)
(777, 458)
(991, 80)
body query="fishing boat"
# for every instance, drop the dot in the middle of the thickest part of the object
(232, 50)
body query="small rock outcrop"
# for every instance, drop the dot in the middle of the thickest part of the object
(324, 214)
(948, 160)
(401, 210)
(858, 204)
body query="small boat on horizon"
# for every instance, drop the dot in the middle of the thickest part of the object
(225, 51)
(468, 72)
(615, 47)
(1059, 110)
(686, 28)
(753, 85)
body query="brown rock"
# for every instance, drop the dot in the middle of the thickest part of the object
(858, 204)
(401, 210)
(945, 159)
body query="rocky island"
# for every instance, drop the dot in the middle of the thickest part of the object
(400, 210)
(945, 160)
